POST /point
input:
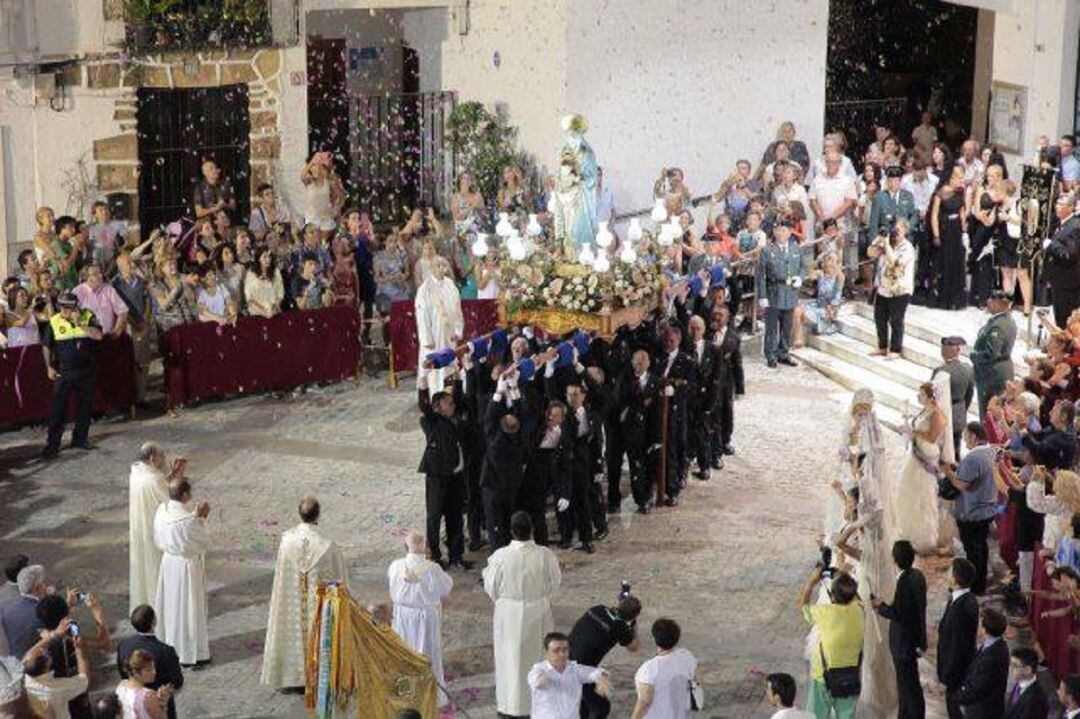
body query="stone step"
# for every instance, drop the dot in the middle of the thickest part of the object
(916, 350)
(853, 351)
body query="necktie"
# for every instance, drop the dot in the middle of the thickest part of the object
(1015, 696)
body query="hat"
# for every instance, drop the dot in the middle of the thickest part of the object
(953, 341)
(67, 300)
(894, 171)
(1000, 296)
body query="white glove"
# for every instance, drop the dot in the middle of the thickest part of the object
(562, 505)
(796, 282)
(599, 478)
(527, 331)
(965, 240)
(669, 391)
(763, 304)
(1046, 242)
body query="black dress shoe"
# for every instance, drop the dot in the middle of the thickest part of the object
(50, 453)
(462, 564)
(586, 547)
(477, 544)
(565, 544)
(85, 445)
(601, 533)
(718, 463)
(702, 476)
(671, 502)
(771, 364)
(642, 509)
(788, 361)
(727, 449)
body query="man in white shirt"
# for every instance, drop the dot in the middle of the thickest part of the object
(41, 681)
(556, 682)
(833, 196)
(780, 692)
(970, 162)
(663, 681)
(923, 137)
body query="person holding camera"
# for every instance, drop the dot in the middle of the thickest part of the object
(976, 504)
(894, 281)
(594, 635)
(47, 688)
(835, 666)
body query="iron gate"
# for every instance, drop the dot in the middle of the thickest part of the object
(177, 130)
(400, 157)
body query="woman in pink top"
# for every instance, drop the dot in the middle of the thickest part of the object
(136, 700)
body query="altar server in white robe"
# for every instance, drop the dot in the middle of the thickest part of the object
(305, 560)
(417, 588)
(148, 488)
(181, 535)
(439, 322)
(521, 579)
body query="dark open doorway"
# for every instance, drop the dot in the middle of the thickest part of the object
(892, 59)
(328, 103)
(177, 131)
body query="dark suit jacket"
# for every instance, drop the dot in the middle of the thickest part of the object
(443, 450)
(907, 615)
(641, 423)
(166, 662)
(503, 469)
(1031, 704)
(21, 624)
(982, 695)
(727, 377)
(956, 639)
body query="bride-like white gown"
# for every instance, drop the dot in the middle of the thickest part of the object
(915, 504)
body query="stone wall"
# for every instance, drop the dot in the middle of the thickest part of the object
(116, 158)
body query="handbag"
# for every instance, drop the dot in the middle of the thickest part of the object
(841, 682)
(946, 489)
(697, 695)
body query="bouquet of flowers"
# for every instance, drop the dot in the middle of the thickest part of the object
(540, 282)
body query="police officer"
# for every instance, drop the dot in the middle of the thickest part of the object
(991, 356)
(961, 384)
(70, 349)
(594, 635)
(892, 204)
(779, 277)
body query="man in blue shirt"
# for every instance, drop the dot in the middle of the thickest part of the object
(975, 506)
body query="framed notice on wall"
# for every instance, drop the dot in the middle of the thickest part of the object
(1008, 108)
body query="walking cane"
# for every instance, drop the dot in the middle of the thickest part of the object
(661, 486)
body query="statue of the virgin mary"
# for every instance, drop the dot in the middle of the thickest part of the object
(573, 202)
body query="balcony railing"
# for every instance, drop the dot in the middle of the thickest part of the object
(164, 25)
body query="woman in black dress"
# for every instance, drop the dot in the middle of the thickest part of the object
(988, 226)
(948, 222)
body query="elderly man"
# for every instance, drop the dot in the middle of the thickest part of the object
(103, 300)
(9, 592)
(71, 362)
(520, 578)
(213, 194)
(439, 322)
(779, 277)
(971, 164)
(181, 535)
(1063, 260)
(148, 489)
(833, 196)
(418, 587)
(305, 560)
(18, 618)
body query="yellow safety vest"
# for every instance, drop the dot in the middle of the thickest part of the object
(64, 330)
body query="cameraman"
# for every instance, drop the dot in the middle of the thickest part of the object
(64, 647)
(840, 643)
(63, 693)
(593, 636)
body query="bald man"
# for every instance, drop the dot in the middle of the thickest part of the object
(418, 587)
(213, 194)
(305, 559)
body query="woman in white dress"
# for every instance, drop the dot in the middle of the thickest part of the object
(862, 459)
(915, 502)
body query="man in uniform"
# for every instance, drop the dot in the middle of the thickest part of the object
(991, 357)
(961, 385)
(70, 353)
(779, 277)
(892, 204)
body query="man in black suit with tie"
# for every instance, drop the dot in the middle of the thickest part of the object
(1026, 700)
(727, 382)
(166, 662)
(982, 693)
(676, 369)
(639, 404)
(704, 355)
(907, 629)
(956, 633)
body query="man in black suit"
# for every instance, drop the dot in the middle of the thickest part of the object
(703, 353)
(956, 633)
(1062, 270)
(982, 693)
(548, 471)
(503, 468)
(443, 465)
(1026, 700)
(907, 629)
(639, 414)
(166, 663)
(676, 370)
(727, 382)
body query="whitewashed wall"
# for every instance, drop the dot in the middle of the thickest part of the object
(1035, 46)
(697, 88)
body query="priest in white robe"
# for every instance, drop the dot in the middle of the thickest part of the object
(305, 560)
(148, 488)
(439, 321)
(417, 589)
(181, 535)
(521, 579)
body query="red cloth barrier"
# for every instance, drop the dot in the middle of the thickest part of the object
(26, 390)
(205, 360)
(481, 317)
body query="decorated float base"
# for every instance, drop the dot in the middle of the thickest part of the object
(558, 321)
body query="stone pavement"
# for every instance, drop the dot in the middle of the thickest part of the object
(727, 563)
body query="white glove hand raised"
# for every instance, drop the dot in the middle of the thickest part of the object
(562, 505)
(763, 304)
(1046, 242)
(669, 391)
(796, 282)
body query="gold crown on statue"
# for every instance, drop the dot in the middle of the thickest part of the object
(575, 123)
